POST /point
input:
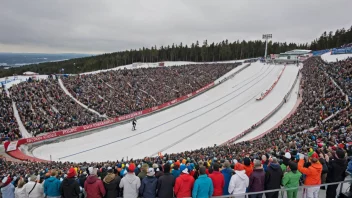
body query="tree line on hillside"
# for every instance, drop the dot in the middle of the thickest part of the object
(197, 52)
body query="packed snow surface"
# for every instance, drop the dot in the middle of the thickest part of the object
(211, 118)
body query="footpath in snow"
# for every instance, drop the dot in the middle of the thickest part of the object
(78, 102)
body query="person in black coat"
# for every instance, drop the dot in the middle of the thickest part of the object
(69, 187)
(166, 183)
(111, 184)
(337, 166)
(273, 177)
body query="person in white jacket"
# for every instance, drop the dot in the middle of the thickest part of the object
(130, 183)
(239, 181)
(33, 189)
(19, 191)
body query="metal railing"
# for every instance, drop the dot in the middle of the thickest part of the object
(301, 190)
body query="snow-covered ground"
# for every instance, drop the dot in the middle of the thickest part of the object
(332, 58)
(149, 65)
(211, 118)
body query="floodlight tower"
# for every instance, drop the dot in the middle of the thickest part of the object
(266, 37)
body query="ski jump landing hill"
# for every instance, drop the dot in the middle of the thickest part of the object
(16, 149)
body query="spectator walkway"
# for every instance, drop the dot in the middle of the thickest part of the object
(78, 102)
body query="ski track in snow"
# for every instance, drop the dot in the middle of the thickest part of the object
(211, 118)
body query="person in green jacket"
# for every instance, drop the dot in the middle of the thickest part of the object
(291, 180)
(203, 187)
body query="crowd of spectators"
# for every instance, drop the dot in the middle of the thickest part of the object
(311, 147)
(44, 107)
(119, 92)
(8, 125)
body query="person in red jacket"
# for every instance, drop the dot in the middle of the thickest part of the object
(93, 186)
(218, 180)
(184, 183)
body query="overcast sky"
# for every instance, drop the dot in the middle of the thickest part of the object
(55, 26)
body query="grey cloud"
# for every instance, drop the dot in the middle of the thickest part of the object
(106, 26)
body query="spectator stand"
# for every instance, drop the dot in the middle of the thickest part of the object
(25, 145)
(77, 101)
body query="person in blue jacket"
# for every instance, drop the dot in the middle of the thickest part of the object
(227, 172)
(203, 186)
(52, 186)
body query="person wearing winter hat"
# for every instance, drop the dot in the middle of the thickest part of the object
(248, 167)
(313, 174)
(143, 172)
(184, 184)
(239, 181)
(149, 185)
(227, 173)
(130, 183)
(175, 171)
(218, 180)
(7, 188)
(337, 165)
(94, 187)
(203, 186)
(52, 186)
(111, 184)
(291, 180)
(69, 187)
(166, 183)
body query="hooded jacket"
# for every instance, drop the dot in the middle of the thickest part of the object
(52, 187)
(218, 182)
(148, 187)
(130, 184)
(227, 172)
(183, 185)
(94, 187)
(273, 176)
(203, 187)
(166, 185)
(248, 169)
(337, 168)
(291, 179)
(239, 182)
(256, 180)
(111, 185)
(69, 188)
(313, 172)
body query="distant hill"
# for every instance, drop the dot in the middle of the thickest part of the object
(20, 59)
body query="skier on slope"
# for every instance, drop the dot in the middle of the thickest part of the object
(134, 123)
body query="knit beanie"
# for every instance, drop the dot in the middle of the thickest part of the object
(246, 161)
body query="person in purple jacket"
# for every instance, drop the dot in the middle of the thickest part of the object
(256, 180)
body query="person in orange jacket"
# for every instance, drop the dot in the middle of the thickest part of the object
(313, 174)
(184, 183)
(248, 167)
(218, 180)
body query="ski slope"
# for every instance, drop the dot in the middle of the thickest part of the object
(211, 118)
